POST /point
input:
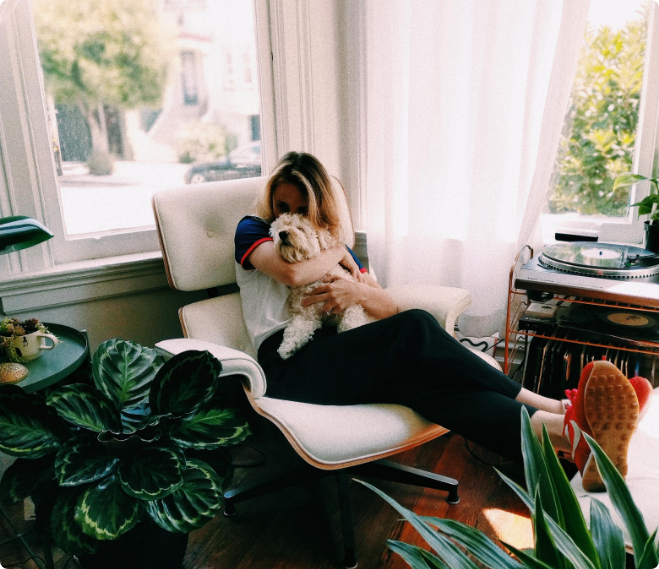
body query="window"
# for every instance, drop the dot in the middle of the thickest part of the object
(610, 124)
(58, 153)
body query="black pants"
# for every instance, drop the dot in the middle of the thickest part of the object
(406, 359)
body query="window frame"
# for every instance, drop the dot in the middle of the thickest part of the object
(629, 229)
(26, 153)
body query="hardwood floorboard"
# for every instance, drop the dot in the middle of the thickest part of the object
(300, 527)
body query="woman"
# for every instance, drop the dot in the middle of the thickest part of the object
(404, 357)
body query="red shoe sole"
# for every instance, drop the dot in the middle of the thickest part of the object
(611, 409)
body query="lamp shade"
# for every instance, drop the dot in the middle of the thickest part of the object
(20, 232)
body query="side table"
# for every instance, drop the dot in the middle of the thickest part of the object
(56, 364)
(48, 369)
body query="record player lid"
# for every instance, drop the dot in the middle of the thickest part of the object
(600, 259)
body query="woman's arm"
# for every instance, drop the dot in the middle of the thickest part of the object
(266, 259)
(340, 293)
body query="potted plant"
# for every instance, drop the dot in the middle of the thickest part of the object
(648, 206)
(562, 538)
(14, 333)
(120, 458)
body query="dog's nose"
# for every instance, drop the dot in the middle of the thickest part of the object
(283, 235)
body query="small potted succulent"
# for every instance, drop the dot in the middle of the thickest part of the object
(21, 340)
(114, 467)
(648, 206)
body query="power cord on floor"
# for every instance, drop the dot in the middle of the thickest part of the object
(476, 457)
(251, 464)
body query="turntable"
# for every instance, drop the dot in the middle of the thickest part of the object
(604, 271)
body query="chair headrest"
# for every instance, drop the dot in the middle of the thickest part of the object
(196, 226)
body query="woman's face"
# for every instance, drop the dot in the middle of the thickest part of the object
(288, 199)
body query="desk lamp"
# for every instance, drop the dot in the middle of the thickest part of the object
(19, 232)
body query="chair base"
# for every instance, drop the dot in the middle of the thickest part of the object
(303, 472)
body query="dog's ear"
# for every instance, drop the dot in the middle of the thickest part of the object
(325, 239)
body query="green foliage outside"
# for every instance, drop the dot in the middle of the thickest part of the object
(113, 52)
(203, 142)
(603, 118)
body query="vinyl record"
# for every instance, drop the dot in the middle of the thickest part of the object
(612, 321)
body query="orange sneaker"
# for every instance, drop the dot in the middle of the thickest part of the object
(606, 407)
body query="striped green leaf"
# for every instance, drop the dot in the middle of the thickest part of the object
(153, 473)
(648, 553)
(64, 530)
(527, 558)
(607, 536)
(81, 460)
(535, 467)
(416, 557)
(573, 521)
(197, 501)
(105, 511)
(85, 407)
(211, 427)
(24, 476)
(448, 551)
(623, 502)
(27, 427)
(184, 383)
(476, 542)
(124, 370)
(545, 548)
(624, 180)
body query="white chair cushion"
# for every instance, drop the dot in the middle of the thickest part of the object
(334, 435)
(642, 475)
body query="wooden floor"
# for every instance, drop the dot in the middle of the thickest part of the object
(300, 527)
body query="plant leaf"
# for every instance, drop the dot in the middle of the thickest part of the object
(414, 556)
(27, 427)
(527, 558)
(105, 511)
(607, 537)
(81, 460)
(574, 522)
(25, 476)
(446, 549)
(124, 370)
(545, 549)
(622, 501)
(476, 542)
(64, 530)
(184, 383)
(625, 180)
(85, 407)
(196, 502)
(648, 551)
(646, 204)
(153, 473)
(535, 467)
(211, 428)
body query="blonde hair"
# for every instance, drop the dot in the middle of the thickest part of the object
(308, 175)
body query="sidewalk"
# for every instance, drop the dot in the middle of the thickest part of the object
(125, 173)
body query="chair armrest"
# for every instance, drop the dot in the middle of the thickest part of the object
(445, 303)
(234, 362)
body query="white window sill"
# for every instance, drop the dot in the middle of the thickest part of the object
(83, 281)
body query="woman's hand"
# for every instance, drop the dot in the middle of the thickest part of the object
(337, 294)
(349, 264)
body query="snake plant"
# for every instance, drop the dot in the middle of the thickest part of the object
(103, 457)
(562, 538)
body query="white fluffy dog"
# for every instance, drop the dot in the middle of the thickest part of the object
(296, 240)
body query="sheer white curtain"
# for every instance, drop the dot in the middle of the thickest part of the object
(464, 105)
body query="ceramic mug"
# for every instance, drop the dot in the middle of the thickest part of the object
(29, 347)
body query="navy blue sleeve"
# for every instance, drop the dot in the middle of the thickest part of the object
(362, 269)
(251, 232)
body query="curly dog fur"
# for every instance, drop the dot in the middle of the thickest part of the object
(296, 240)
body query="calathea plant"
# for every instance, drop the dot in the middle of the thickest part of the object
(562, 538)
(97, 459)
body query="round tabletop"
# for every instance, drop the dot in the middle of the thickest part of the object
(56, 364)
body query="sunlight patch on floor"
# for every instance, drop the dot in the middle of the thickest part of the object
(511, 528)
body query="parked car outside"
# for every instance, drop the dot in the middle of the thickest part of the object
(243, 162)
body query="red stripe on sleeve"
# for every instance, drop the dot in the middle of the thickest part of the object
(254, 246)
(363, 270)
